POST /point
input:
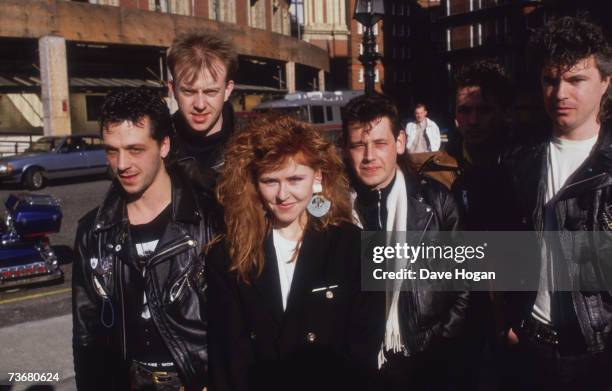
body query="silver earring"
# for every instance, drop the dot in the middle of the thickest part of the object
(318, 205)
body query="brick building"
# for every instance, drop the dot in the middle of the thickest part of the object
(60, 57)
(329, 24)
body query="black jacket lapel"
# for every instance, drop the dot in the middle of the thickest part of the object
(268, 283)
(310, 263)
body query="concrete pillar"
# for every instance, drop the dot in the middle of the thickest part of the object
(321, 80)
(54, 86)
(290, 76)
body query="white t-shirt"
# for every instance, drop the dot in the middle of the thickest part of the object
(286, 266)
(564, 158)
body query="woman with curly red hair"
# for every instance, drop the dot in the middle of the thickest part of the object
(285, 304)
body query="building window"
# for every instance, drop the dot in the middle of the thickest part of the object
(329, 113)
(460, 37)
(316, 114)
(100, 2)
(459, 6)
(258, 14)
(221, 10)
(215, 9)
(158, 5)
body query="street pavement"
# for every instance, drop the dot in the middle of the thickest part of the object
(42, 346)
(36, 322)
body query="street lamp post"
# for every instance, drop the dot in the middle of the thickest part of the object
(368, 13)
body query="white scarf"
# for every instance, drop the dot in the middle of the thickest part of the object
(397, 212)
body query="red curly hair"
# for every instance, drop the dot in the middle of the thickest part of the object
(265, 145)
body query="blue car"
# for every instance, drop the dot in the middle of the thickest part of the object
(26, 256)
(54, 157)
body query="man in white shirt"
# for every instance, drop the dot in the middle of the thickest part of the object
(422, 134)
(558, 187)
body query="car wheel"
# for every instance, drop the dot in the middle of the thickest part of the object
(34, 179)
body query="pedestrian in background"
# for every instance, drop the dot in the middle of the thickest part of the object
(422, 134)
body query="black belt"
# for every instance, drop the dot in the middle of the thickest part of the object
(538, 332)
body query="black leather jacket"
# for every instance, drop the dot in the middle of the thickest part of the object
(580, 206)
(173, 283)
(429, 318)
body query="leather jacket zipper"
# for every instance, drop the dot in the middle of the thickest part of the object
(586, 180)
(119, 266)
(170, 250)
(564, 189)
(414, 302)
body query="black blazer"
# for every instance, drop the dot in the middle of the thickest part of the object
(327, 337)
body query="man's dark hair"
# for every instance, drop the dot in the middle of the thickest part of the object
(366, 108)
(492, 79)
(133, 105)
(420, 105)
(567, 40)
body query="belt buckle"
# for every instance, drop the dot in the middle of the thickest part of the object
(160, 377)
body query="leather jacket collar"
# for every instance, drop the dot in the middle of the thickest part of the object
(113, 209)
(593, 174)
(596, 172)
(419, 212)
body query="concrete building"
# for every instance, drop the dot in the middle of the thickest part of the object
(60, 57)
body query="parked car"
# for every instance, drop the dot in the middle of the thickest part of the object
(54, 157)
(26, 256)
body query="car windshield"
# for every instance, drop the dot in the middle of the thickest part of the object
(44, 144)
